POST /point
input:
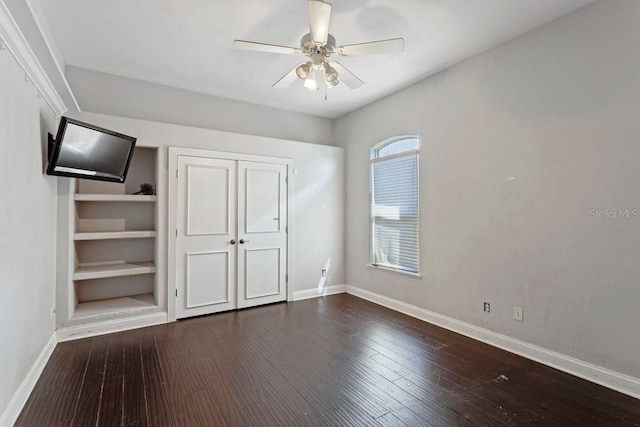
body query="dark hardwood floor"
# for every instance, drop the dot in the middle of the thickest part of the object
(332, 361)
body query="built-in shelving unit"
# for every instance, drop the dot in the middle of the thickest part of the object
(112, 252)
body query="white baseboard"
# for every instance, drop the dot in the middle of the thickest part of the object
(116, 325)
(318, 292)
(11, 413)
(605, 377)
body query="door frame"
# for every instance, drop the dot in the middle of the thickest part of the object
(174, 153)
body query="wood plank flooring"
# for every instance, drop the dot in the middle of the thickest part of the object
(332, 361)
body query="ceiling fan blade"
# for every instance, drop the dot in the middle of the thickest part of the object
(319, 17)
(346, 76)
(264, 47)
(381, 46)
(287, 79)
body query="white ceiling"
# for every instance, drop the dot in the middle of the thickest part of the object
(187, 43)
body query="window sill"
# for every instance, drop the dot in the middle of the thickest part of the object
(393, 270)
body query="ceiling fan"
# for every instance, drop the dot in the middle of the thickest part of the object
(318, 45)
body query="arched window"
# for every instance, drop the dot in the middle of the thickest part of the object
(395, 204)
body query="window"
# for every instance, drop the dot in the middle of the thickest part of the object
(395, 204)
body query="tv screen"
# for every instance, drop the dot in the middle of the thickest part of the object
(82, 150)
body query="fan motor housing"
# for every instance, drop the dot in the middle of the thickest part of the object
(311, 48)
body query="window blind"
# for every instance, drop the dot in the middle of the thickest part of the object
(395, 212)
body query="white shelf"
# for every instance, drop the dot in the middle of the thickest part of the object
(115, 306)
(105, 235)
(79, 197)
(113, 270)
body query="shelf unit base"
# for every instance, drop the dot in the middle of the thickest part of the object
(102, 327)
(115, 307)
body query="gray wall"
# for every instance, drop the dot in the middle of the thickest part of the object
(27, 231)
(318, 189)
(107, 94)
(558, 110)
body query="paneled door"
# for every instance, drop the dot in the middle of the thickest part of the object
(206, 236)
(262, 238)
(231, 234)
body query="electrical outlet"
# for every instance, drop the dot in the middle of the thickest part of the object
(487, 307)
(517, 314)
(324, 273)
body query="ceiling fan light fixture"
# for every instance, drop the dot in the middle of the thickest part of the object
(333, 83)
(302, 71)
(330, 73)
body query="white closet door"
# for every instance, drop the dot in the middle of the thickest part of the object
(206, 236)
(262, 234)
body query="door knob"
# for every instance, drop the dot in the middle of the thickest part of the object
(242, 241)
(233, 242)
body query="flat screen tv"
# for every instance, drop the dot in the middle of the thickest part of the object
(81, 150)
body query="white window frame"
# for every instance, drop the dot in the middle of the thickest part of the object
(375, 158)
